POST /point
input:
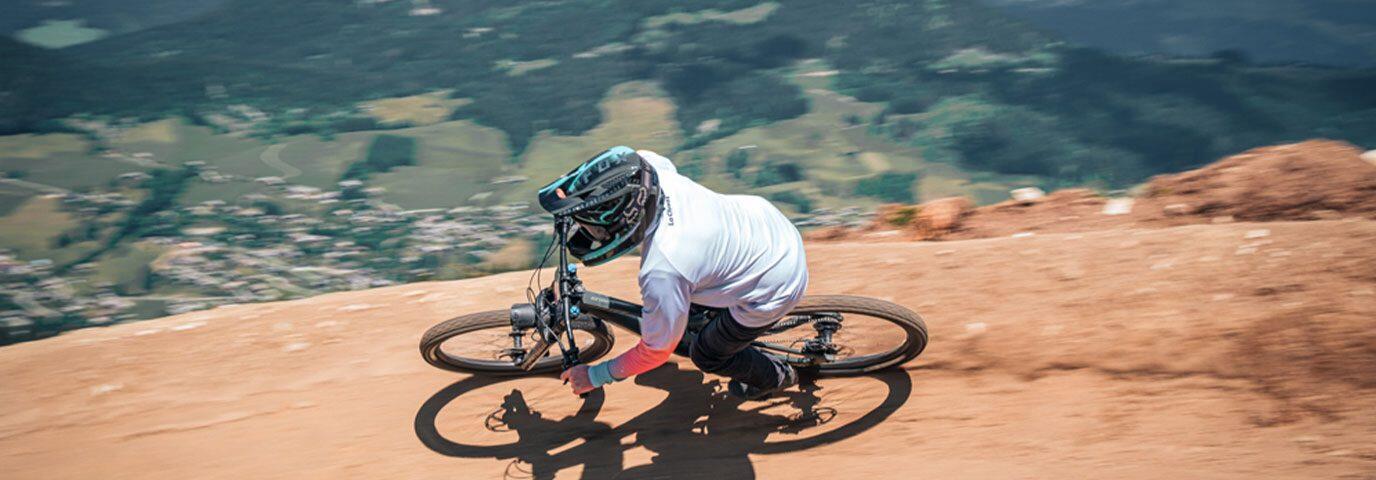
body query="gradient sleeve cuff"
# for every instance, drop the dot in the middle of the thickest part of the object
(637, 360)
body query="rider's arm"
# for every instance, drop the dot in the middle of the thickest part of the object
(663, 319)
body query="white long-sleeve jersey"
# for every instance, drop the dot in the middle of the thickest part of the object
(737, 252)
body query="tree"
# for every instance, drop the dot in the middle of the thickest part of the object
(777, 51)
(889, 187)
(775, 173)
(268, 207)
(736, 161)
(385, 153)
(797, 199)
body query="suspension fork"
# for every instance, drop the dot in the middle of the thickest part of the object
(567, 280)
(568, 297)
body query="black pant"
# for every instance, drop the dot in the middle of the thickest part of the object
(723, 347)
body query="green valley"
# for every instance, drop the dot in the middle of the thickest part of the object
(247, 154)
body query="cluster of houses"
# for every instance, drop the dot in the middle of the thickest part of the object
(283, 241)
(849, 217)
(241, 252)
(39, 303)
(252, 255)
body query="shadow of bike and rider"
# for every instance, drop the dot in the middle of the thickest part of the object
(696, 432)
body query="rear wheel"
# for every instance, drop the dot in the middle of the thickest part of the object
(869, 334)
(479, 343)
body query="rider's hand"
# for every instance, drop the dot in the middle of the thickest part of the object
(577, 378)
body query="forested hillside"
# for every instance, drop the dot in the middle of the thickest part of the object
(1025, 102)
(1324, 32)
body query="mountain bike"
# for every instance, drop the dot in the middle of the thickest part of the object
(824, 335)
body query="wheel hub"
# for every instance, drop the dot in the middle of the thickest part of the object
(826, 325)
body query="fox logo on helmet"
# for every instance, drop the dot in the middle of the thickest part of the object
(600, 164)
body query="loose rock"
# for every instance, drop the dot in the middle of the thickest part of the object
(1027, 194)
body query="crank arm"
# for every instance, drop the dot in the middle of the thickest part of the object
(537, 352)
(782, 349)
(776, 347)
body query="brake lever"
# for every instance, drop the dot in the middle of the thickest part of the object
(571, 361)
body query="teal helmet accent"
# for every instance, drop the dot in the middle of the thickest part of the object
(613, 199)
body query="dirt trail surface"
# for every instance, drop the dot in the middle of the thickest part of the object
(1206, 351)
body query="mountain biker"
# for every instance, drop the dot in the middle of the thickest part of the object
(733, 252)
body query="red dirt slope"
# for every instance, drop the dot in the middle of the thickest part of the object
(1208, 351)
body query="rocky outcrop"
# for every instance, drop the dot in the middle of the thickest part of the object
(928, 221)
(1313, 180)
(1302, 181)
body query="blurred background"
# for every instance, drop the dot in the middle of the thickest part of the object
(167, 156)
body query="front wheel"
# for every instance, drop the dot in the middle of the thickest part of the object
(480, 343)
(865, 335)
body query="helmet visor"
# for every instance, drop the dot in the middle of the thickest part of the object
(604, 215)
(597, 234)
